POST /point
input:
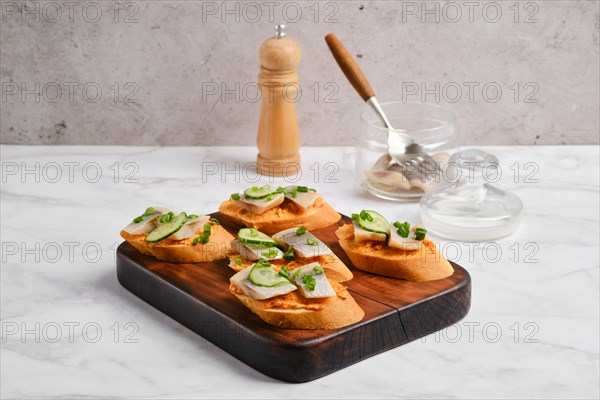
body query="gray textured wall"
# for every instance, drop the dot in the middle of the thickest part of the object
(156, 62)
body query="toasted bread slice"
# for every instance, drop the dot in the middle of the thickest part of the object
(294, 311)
(423, 264)
(287, 215)
(334, 267)
(183, 251)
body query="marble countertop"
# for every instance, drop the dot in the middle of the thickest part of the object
(70, 330)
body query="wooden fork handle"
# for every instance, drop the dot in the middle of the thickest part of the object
(349, 67)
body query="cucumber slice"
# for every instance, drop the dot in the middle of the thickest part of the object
(265, 275)
(257, 193)
(377, 223)
(252, 236)
(166, 229)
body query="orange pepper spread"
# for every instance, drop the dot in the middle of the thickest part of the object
(285, 209)
(295, 301)
(238, 263)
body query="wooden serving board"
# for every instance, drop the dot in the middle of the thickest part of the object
(197, 295)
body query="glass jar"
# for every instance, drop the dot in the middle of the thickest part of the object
(430, 125)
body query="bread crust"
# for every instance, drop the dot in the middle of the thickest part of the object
(424, 264)
(287, 215)
(182, 251)
(337, 312)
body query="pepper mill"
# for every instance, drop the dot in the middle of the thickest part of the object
(278, 137)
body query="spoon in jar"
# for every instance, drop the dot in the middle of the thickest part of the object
(407, 153)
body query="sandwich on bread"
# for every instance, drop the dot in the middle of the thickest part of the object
(303, 298)
(178, 237)
(291, 247)
(399, 251)
(273, 210)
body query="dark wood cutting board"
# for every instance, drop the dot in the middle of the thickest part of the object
(197, 296)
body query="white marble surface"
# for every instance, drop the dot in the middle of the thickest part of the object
(553, 303)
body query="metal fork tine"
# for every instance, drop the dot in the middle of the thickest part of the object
(423, 165)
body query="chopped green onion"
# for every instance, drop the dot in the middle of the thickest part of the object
(167, 217)
(355, 217)
(311, 241)
(215, 221)
(403, 229)
(312, 190)
(309, 281)
(297, 273)
(397, 224)
(302, 189)
(420, 233)
(204, 237)
(238, 261)
(300, 231)
(281, 190)
(318, 270)
(366, 216)
(235, 196)
(270, 197)
(192, 216)
(284, 271)
(271, 253)
(289, 253)
(259, 188)
(149, 211)
(253, 232)
(294, 192)
(264, 263)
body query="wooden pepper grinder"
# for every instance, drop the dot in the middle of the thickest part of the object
(278, 138)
